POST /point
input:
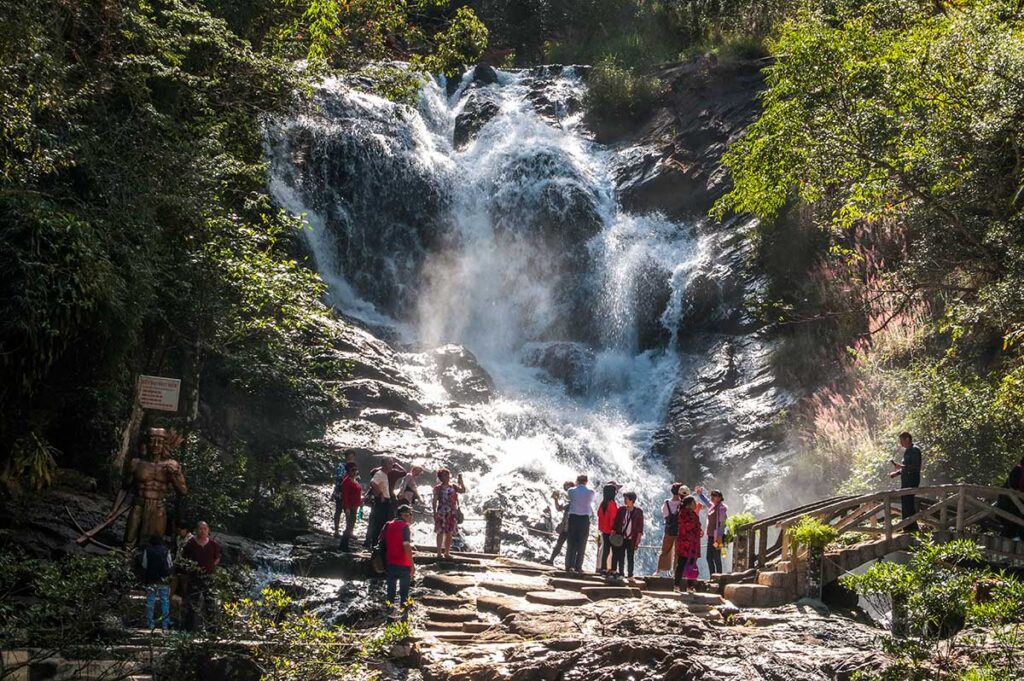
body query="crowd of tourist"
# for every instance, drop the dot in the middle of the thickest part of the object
(392, 496)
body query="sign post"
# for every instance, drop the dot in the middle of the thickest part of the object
(159, 393)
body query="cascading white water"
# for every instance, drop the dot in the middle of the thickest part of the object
(515, 247)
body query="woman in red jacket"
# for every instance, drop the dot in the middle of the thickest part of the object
(629, 524)
(688, 544)
(605, 520)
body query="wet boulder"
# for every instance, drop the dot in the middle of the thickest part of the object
(477, 111)
(569, 363)
(461, 374)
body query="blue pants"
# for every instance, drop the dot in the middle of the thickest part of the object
(164, 592)
(398, 578)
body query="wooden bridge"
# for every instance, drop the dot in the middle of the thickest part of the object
(991, 516)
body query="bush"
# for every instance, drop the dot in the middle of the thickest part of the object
(939, 592)
(737, 524)
(812, 533)
(617, 97)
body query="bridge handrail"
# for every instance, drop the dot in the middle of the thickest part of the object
(977, 490)
(773, 520)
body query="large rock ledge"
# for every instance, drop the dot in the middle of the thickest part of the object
(655, 640)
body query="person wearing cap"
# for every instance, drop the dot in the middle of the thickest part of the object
(581, 506)
(606, 512)
(350, 498)
(399, 567)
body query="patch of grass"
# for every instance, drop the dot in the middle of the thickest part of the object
(618, 96)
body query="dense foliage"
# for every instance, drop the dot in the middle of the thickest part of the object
(889, 153)
(636, 34)
(137, 234)
(951, 618)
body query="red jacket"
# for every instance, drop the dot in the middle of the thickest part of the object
(688, 539)
(636, 525)
(351, 493)
(606, 518)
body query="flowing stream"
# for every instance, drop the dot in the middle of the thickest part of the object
(511, 244)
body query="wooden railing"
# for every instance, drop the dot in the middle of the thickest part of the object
(946, 511)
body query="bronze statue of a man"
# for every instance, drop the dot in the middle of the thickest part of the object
(151, 479)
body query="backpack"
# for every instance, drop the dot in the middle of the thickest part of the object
(671, 521)
(378, 557)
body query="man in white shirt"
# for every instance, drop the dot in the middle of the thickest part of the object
(581, 506)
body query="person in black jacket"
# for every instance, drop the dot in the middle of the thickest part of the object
(909, 472)
(156, 574)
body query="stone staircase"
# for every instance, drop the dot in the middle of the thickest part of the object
(479, 607)
(773, 587)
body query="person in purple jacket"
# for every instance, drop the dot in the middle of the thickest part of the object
(717, 515)
(629, 523)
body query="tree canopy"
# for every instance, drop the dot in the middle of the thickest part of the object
(138, 236)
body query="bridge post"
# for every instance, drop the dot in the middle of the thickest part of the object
(888, 517)
(492, 530)
(740, 556)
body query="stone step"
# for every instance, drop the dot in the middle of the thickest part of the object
(514, 588)
(686, 599)
(695, 597)
(451, 615)
(478, 627)
(575, 584)
(578, 576)
(557, 598)
(654, 583)
(445, 601)
(601, 593)
(449, 584)
(502, 605)
(755, 595)
(434, 625)
(777, 580)
(434, 559)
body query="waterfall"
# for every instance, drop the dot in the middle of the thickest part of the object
(510, 243)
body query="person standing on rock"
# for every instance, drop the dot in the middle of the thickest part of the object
(605, 520)
(909, 472)
(399, 567)
(445, 507)
(380, 501)
(156, 575)
(718, 513)
(629, 524)
(204, 551)
(563, 525)
(350, 497)
(670, 515)
(688, 544)
(581, 506)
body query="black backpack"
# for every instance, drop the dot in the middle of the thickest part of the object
(671, 521)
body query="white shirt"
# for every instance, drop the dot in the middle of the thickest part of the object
(581, 500)
(380, 481)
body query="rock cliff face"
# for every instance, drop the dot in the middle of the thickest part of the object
(723, 420)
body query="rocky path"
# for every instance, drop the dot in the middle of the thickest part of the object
(487, 618)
